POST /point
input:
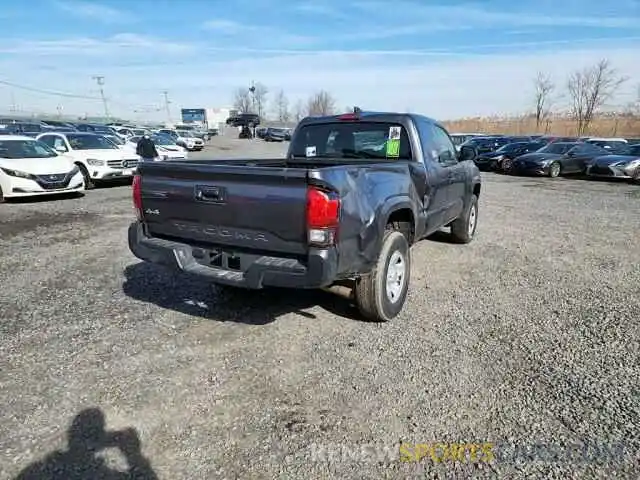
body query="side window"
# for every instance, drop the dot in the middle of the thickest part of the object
(445, 150)
(47, 139)
(59, 144)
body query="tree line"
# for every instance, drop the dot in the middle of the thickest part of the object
(257, 100)
(586, 91)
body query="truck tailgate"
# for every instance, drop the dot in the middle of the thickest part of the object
(259, 208)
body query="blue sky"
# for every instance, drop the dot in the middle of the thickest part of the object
(446, 59)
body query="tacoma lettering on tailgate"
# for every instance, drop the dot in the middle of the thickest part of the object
(220, 232)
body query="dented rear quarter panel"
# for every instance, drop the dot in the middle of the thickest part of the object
(368, 193)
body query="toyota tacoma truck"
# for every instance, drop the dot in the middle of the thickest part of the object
(344, 206)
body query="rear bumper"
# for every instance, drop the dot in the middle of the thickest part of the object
(254, 271)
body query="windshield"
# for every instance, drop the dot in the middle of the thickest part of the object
(90, 142)
(611, 145)
(510, 147)
(353, 140)
(557, 148)
(102, 129)
(115, 139)
(25, 149)
(162, 140)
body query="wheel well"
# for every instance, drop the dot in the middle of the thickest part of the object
(403, 221)
(476, 190)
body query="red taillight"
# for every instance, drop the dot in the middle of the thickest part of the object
(323, 215)
(137, 195)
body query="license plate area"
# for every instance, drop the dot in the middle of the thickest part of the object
(218, 258)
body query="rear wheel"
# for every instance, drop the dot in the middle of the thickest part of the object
(2, 199)
(507, 165)
(381, 294)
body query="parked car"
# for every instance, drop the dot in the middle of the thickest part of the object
(261, 132)
(98, 158)
(554, 139)
(167, 148)
(624, 165)
(615, 145)
(185, 140)
(460, 138)
(96, 128)
(487, 144)
(337, 211)
(557, 158)
(493, 161)
(274, 135)
(28, 129)
(244, 120)
(189, 141)
(31, 168)
(57, 124)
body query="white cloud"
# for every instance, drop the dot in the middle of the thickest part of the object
(246, 34)
(426, 17)
(439, 86)
(93, 11)
(321, 9)
(121, 43)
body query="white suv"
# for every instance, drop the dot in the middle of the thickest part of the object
(98, 158)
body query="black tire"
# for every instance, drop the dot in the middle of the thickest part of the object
(371, 294)
(506, 166)
(554, 170)
(2, 199)
(88, 183)
(463, 228)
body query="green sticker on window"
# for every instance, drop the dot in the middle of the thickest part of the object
(393, 148)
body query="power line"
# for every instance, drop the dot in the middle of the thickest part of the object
(100, 81)
(47, 92)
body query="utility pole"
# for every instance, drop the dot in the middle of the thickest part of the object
(100, 81)
(166, 105)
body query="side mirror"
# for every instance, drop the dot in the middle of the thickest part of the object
(60, 149)
(571, 153)
(467, 152)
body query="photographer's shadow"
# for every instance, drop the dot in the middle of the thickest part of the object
(87, 437)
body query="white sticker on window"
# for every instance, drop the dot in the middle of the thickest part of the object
(394, 133)
(311, 151)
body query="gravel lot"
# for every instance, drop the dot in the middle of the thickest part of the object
(529, 335)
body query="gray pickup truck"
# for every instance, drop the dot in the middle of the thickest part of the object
(354, 192)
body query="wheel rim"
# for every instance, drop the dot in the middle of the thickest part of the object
(396, 273)
(506, 165)
(473, 217)
(555, 170)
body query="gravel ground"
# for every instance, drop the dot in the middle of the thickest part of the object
(528, 336)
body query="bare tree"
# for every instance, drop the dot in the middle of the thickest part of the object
(589, 89)
(299, 111)
(242, 100)
(281, 103)
(260, 98)
(543, 89)
(321, 104)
